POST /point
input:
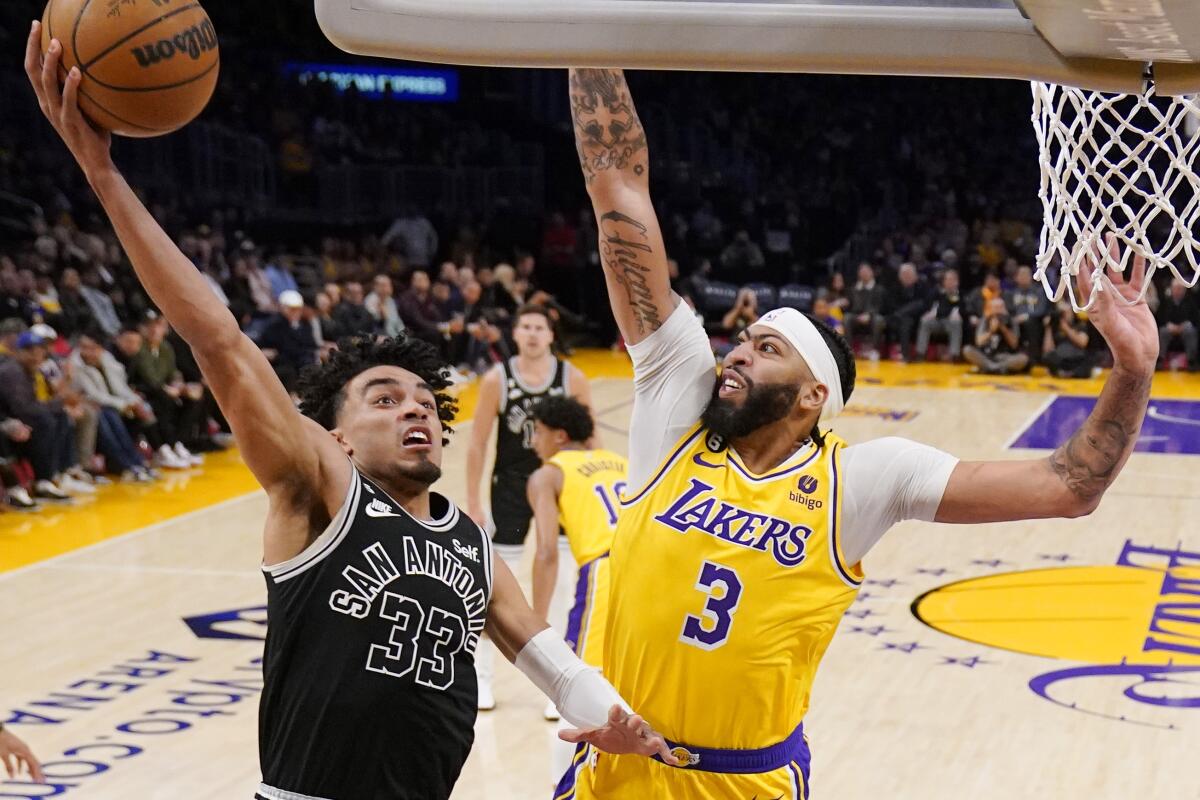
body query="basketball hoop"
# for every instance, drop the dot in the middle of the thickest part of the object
(1124, 164)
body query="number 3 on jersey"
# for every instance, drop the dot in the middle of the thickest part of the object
(710, 630)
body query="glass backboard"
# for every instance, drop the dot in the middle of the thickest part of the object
(1100, 44)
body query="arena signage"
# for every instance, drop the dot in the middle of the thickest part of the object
(155, 695)
(377, 83)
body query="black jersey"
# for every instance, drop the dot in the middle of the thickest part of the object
(515, 456)
(370, 686)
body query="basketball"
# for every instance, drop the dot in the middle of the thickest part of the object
(148, 66)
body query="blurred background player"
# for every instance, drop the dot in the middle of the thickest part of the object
(574, 496)
(508, 391)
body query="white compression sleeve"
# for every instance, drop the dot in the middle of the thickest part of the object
(580, 692)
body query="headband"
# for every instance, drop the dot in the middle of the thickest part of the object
(802, 334)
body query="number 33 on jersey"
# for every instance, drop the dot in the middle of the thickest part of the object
(731, 579)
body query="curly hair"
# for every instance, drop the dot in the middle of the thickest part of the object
(322, 387)
(843, 356)
(565, 414)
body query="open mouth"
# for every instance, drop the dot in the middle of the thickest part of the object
(731, 383)
(418, 438)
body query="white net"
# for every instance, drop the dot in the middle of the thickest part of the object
(1120, 164)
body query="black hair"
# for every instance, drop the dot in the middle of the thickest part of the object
(95, 333)
(843, 356)
(322, 387)
(565, 414)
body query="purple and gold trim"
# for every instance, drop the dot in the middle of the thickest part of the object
(851, 574)
(791, 752)
(670, 462)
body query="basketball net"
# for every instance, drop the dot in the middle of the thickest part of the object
(1121, 164)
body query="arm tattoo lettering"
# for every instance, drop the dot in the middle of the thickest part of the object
(1090, 460)
(608, 133)
(622, 244)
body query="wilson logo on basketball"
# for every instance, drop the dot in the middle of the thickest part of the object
(193, 42)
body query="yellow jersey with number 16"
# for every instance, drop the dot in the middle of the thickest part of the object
(593, 481)
(727, 589)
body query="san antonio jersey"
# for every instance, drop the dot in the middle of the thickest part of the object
(370, 688)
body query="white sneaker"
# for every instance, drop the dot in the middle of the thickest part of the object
(72, 485)
(167, 459)
(188, 456)
(550, 713)
(19, 498)
(48, 490)
(487, 700)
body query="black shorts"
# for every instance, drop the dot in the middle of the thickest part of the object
(511, 512)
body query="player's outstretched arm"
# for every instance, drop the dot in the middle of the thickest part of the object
(1072, 480)
(263, 418)
(616, 168)
(579, 692)
(542, 490)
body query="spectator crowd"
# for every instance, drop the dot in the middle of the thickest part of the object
(858, 200)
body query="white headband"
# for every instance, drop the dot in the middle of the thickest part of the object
(801, 334)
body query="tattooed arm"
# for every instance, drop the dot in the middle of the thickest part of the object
(1067, 484)
(1072, 480)
(616, 168)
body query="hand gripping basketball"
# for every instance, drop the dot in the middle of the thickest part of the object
(60, 105)
(624, 733)
(146, 68)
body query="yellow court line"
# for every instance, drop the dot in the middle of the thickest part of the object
(26, 538)
(120, 509)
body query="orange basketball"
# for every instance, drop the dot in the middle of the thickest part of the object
(149, 66)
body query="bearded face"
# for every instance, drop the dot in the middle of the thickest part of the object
(760, 404)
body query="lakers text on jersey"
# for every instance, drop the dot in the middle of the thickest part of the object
(727, 589)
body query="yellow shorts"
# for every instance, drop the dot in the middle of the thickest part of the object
(601, 776)
(585, 623)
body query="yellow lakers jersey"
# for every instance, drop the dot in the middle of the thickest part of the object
(593, 481)
(727, 588)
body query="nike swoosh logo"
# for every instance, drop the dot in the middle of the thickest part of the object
(697, 459)
(374, 512)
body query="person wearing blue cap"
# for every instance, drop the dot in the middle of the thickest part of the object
(51, 444)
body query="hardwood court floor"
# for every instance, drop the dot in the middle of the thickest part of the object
(129, 660)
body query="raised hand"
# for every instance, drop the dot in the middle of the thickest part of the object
(89, 145)
(624, 733)
(1130, 330)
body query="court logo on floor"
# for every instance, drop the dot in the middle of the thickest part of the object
(248, 623)
(1134, 625)
(1171, 426)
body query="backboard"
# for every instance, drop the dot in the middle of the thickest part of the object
(1097, 44)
